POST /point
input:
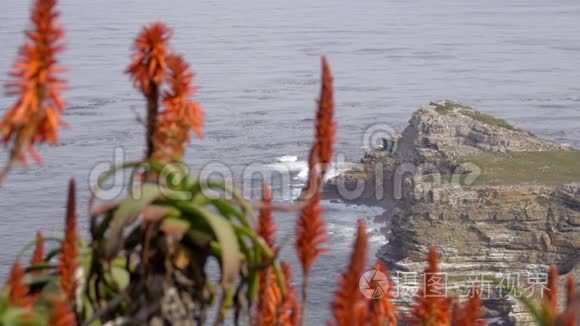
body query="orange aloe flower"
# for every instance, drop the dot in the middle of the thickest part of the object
(69, 252)
(350, 306)
(269, 299)
(289, 311)
(61, 315)
(36, 116)
(266, 230)
(323, 148)
(277, 308)
(325, 124)
(471, 313)
(150, 52)
(266, 226)
(550, 308)
(570, 315)
(570, 289)
(432, 307)
(178, 99)
(311, 228)
(314, 181)
(551, 296)
(181, 115)
(268, 292)
(381, 310)
(310, 234)
(148, 71)
(18, 290)
(38, 255)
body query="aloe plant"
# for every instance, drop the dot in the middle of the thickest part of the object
(167, 235)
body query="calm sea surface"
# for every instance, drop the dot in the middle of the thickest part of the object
(257, 65)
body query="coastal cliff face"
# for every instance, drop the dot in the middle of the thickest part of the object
(494, 199)
(446, 131)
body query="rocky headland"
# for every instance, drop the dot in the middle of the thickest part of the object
(494, 199)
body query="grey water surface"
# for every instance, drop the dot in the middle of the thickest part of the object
(257, 65)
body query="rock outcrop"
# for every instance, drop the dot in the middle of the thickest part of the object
(494, 199)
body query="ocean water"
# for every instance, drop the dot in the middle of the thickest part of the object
(257, 66)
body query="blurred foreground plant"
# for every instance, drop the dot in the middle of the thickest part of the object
(148, 258)
(35, 116)
(45, 291)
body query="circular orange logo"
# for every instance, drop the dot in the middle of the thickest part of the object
(373, 284)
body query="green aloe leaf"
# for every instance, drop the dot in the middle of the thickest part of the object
(238, 198)
(124, 215)
(120, 276)
(51, 254)
(175, 227)
(35, 280)
(18, 316)
(41, 266)
(226, 237)
(32, 244)
(226, 208)
(113, 171)
(199, 237)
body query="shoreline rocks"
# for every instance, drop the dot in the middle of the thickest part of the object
(492, 198)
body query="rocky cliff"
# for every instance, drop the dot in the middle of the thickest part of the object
(494, 199)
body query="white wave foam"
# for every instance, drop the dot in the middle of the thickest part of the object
(295, 192)
(291, 164)
(333, 172)
(337, 170)
(303, 174)
(293, 167)
(345, 233)
(287, 158)
(299, 171)
(377, 238)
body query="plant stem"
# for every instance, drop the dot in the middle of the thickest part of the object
(225, 303)
(6, 170)
(304, 307)
(152, 112)
(15, 153)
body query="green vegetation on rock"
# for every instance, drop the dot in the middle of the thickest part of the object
(487, 119)
(549, 168)
(446, 107)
